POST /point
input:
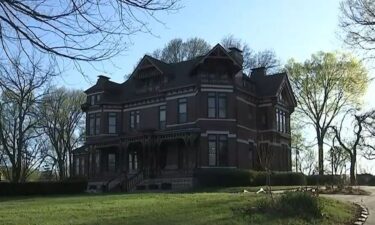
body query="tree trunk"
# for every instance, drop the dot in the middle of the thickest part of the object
(353, 160)
(320, 156)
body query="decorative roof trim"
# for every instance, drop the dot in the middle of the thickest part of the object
(145, 57)
(222, 49)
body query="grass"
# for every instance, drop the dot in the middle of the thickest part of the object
(152, 208)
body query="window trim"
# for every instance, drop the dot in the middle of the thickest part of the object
(221, 158)
(182, 101)
(112, 115)
(211, 96)
(162, 123)
(217, 97)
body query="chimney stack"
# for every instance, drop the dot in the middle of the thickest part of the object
(258, 72)
(236, 54)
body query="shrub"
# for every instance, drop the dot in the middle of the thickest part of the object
(153, 186)
(299, 204)
(141, 187)
(292, 204)
(371, 182)
(324, 180)
(43, 188)
(166, 186)
(229, 177)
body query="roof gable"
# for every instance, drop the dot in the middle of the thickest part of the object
(285, 90)
(147, 63)
(219, 52)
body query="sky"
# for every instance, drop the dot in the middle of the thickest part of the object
(292, 28)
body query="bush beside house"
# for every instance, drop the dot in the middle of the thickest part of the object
(43, 188)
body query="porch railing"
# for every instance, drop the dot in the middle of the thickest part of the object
(134, 180)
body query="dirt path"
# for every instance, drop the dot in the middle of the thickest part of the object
(368, 201)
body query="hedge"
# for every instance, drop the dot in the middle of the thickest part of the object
(43, 188)
(231, 177)
(324, 180)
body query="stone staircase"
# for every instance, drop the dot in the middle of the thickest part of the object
(166, 181)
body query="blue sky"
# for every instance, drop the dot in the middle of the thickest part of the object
(292, 28)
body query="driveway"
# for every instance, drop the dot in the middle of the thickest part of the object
(368, 201)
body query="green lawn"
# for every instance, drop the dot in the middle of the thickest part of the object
(163, 209)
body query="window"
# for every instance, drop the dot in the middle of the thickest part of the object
(217, 150)
(162, 117)
(97, 98)
(222, 107)
(182, 110)
(137, 119)
(91, 124)
(112, 117)
(281, 121)
(77, 165)
(133, 161)
(92, 99)
(217, 105)
(82, 166)
(211, 105)
(111, 162)
(134, 119)
(212, 150)
(97, 161)
(94, 124)
(97, 123)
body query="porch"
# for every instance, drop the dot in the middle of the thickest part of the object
(145, 157)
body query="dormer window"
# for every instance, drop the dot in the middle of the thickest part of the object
(94, 99)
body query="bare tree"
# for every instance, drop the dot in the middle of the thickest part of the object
(78, 30)
(358, 23)
(252, 59)
(369, 127)
(265, 158)
(62, 119)
(177, 50)
(22, 82)
(338, 158)
(353, 145)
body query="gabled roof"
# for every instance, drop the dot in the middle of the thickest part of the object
(222, 49)
(268, 85)
(272, 85)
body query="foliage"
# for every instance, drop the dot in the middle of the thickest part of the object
(61, 118)
(23, 82)
(224, 177)
(43, 188)
(324, 180)
(325, 86)
(300, 204)
(176, 50)
(292, 204)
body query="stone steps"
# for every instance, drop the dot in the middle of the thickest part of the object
(165, 184)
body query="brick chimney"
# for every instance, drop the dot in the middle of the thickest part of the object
(258, 72)
(102, 79)
(236, 54)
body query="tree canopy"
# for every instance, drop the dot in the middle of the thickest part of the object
(325, 85)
